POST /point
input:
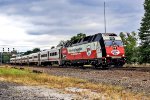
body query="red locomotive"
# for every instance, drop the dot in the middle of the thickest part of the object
(100, 50)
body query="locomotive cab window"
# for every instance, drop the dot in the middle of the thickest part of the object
(116, 42)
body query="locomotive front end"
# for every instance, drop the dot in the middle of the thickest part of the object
(115, 53)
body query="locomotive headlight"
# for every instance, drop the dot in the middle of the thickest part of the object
(108, 55)
(122, 55)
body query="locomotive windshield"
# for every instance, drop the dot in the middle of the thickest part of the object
(116, 42)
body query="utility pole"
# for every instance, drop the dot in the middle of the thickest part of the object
(104, 17)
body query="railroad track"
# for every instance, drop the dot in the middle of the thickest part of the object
(142, 69)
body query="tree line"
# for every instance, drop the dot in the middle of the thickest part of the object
(138, 50)
(35, 50)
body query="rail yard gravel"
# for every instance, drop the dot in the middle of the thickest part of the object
(132, 80)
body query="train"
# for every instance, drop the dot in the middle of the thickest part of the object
(101, 50)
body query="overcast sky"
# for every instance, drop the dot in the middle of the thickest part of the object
(25, 24)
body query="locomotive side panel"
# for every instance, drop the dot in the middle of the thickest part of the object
(84, 51)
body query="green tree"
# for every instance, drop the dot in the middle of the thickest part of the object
(131, 51)
(61, 43)
(5, 57)
(144, 34)
(35, 50)
(27, 52)
(78, 37)
(52, 47)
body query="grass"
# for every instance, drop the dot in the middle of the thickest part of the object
(26, 77)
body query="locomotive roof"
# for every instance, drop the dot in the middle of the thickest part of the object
(87, 39)
(109, 34)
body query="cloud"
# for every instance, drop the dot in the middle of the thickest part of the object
(42, 23)
(14, 34)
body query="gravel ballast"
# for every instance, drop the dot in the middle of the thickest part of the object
(13, 91)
